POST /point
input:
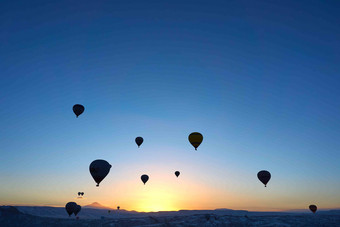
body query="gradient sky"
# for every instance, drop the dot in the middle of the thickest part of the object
(259, 79)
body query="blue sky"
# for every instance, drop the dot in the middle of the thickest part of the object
(260, 81)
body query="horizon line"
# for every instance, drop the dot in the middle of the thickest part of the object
(104, 208)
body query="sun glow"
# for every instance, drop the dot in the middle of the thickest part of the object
(156, 200)
(163, 191)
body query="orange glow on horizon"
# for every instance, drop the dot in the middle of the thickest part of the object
(164, 194)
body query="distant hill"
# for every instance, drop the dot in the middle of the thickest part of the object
(322, 211)
(98, 211)
(96, 205)
(9, 211)
(57, 216)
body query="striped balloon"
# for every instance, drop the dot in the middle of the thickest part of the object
(195, 139)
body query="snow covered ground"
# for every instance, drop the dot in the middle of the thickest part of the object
(54, 216)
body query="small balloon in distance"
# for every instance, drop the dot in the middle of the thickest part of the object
(195, 139)
(144, 178)
(78, 109)
(313, 208)
(139, 140)
(177, 173)
(77, 210)
(264, 176)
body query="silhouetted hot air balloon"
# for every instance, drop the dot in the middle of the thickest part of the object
(177, 173)
(70, 207)
(139, 140)
(144, 178)
(264, 177)
(99, 170)
(78, 109)
(313, 208)
(82, 193)
(77, 210)
(118, 207)
(79, 193)
(195, 139)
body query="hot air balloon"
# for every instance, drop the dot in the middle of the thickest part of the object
(77, 210)
(79, 193)
(99, 170)
(313, 208)
(139, 140)
(70, 207)
(195, 139)
(82, 193)
(118, 207)
(78, 109)
(144, 178)
(264, 177)
(177, 173)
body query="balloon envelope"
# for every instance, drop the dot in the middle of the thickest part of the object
(70, 207)
(313, 208)
(99, 170)
(177, 173)
(139, 140)
(264, 176)
(79, 193)
(144, 178)
(195, 139)
(118, 207)
(77, 210)
(78, 109)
